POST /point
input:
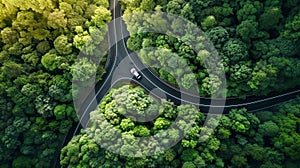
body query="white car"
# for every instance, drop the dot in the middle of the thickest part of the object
(135, 73)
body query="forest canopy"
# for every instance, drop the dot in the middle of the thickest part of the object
(267, 138)
(40, 41)
(258, 41)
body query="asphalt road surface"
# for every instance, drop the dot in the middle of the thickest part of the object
(121, 60)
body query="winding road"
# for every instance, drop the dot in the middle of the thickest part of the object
(121, 60)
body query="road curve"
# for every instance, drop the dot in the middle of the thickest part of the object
(118, 52)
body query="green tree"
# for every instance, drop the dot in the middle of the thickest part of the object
(239, 161)
(60, 111)
(211, 84)
(9, 35)
(31, 58)
(188, 81)
(84, 70)
(147, 5)
(169, 155)
(62, 45)
(249, 11)
(240, 73)
(269, 129)
(167, 109)
(235, 50)
(208, 22)
(247, 30)
(292, 27)
(11, 69)
(43, 47)
(223, 133)
(240, 122)
(59, 94)
(10, 138)
(218, 36)
(263, 76)
(174, 7)
(31, 90)
(22, 162)
(199, 162)
(189, 155)
(188, 165)
(127, 124)
(270, 18)
(51, 61)
(101, 16)
(161, 123)
(141, 131)
(255, 151)
(57, 19)
(44, 106)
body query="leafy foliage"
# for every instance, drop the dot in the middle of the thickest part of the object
(38, 50)
(242, 139)
(246, 34)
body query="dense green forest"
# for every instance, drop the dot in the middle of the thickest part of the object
(266, 139)
(258, 42)
(40, 41)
